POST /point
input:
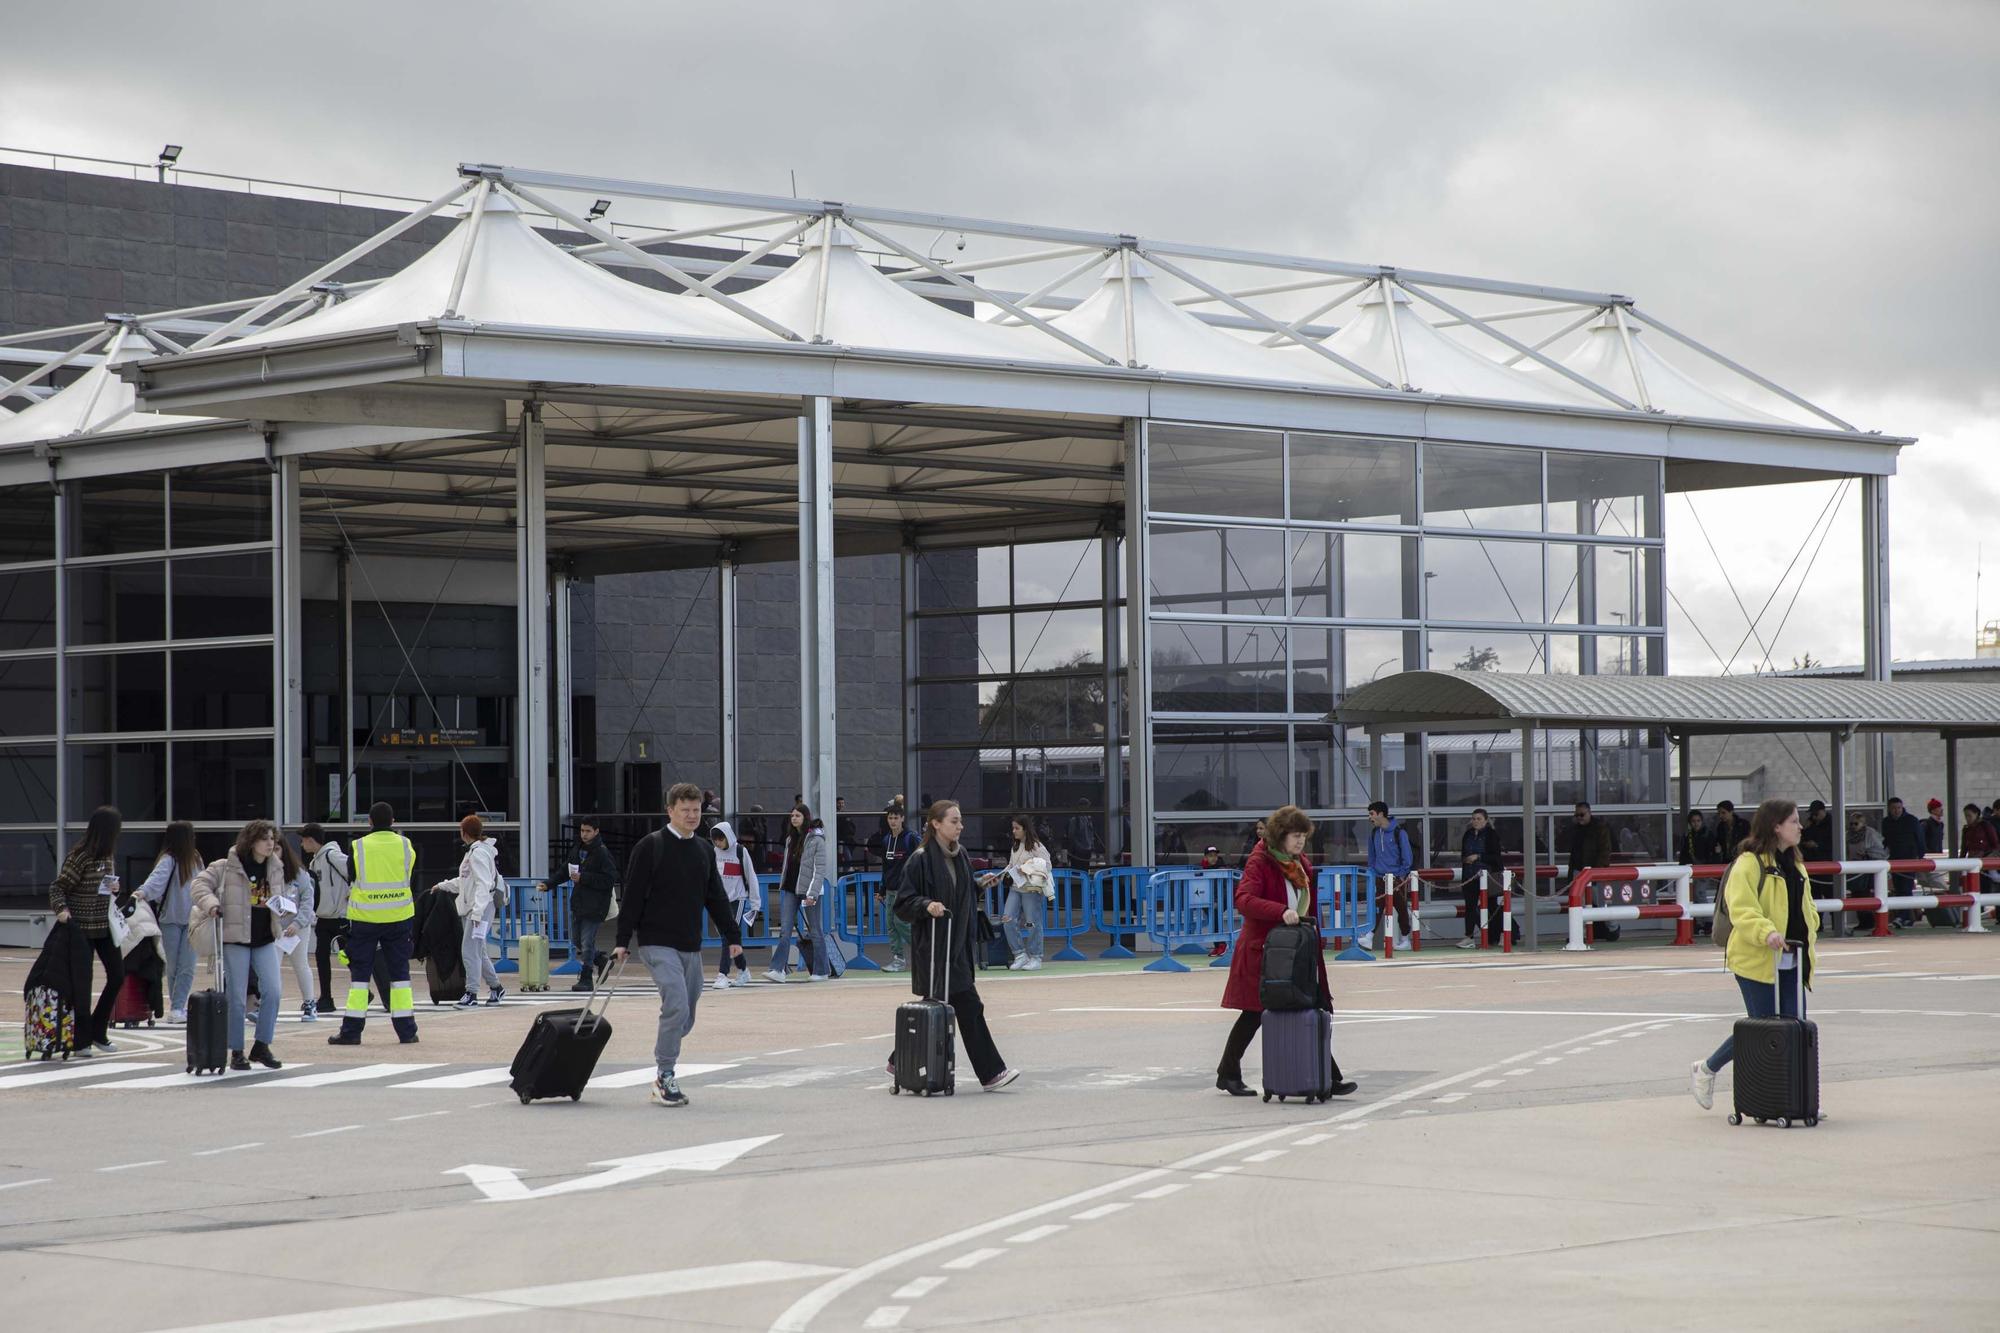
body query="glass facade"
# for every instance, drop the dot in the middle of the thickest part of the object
(1285, 568)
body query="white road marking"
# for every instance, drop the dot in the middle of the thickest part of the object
(565, 1295)
(1581, 1050)
(885, 1316)
(1226, 1170)
(972, 1259)
(421, 1115)
(1310, 1139)
(643, 1076)
(154, 1082)
(1162, 1191)
(353, 1074)
(1450, 1097)
(1026, 1014)
(796, 1077)
(1419, 1110)
(878, 1036)
(1088, 1215)
(133, 1166)
(1269, 1154)
(322, 1133)
(917, 1288)
(502, 1184)
(1489, 1083)
(1033, 1234)
(1208, 1175)
(1516, 1073)
(477, 1078)
(23, 1184)
(1549, 1060)
(825, 1044)
(65, 1073)
(789, 1050)
(234, 1147)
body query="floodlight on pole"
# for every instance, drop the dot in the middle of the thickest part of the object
(168, 156)
(599, 209)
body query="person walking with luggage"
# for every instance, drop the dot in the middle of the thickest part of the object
(596, 879)
(801, 879)
(1390, 858)
(167, 889)
(1772, 929)
(671, 878)
(1277, 887)
(940, 899)
(898, 842)
(380, 914)
(247, 890)
(739, 885)
(1479, 852)
(1029, 884)
(84, 892)
(476, 894)
(332, 877)
(299, 925)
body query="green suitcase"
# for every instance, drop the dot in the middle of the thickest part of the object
(534, 962)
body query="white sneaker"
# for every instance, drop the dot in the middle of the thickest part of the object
(1020, 961)
(1467, 943)
(1403, 944)
(778, 977)
(1701, 1082)
(1032, 965)
(816, 976)
(178, 1016)
(722, 981)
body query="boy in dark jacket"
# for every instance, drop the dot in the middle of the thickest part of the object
(671, 878)
(596, 879)
(896, 842)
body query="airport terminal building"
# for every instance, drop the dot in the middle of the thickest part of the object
(555, 490)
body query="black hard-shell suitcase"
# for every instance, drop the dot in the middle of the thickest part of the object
(926, 1039)
(1298, 1054)
(1777, 1065)
(207, 1017)
(1291, 969)
(560, 1052)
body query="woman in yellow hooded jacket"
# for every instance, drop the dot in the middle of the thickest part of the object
(1773, 927)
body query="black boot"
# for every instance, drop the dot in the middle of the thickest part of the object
(1341, 1087)
(237, 1062)
(262, 1055)
(1233, 1085)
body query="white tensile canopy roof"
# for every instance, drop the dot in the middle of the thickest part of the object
(97, 400)
(514, 276)
(1601, 356)
(862, 308)
(1166, 337)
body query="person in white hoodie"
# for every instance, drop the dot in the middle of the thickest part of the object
(477, 888)
(1028, 883)
(298, 926)
(739, 882)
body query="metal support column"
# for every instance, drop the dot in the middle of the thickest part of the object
(61, 728)
(1951, 811)
(531, 629)
(913, 717)
(563, 662)
(344, 575)
(1528, 880)
(1138, 647)
(1875, 623)
(1114, 776)
(725, 666)
(1685, 746)
(288, 718)
(818, 773)
(1836, 767)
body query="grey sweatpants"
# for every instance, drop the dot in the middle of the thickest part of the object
(678, 975)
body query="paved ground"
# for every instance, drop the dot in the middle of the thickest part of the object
(1523, 1152)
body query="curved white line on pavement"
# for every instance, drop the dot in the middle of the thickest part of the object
(798, 1317)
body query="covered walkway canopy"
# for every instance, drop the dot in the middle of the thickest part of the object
(1683, 706)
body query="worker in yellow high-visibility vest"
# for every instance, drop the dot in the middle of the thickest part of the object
(381, 916)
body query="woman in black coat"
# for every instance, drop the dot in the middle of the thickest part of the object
(940, 899)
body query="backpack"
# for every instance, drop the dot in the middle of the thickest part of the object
(1720, 928)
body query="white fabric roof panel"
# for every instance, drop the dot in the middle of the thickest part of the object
(1166, 337)
(1601, 357)
(866, 309)
(95, 400)
(517, 276)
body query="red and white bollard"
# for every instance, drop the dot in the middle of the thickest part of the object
(1479, 940)
(1413, 889)
(1388, 916)
(1506, 915)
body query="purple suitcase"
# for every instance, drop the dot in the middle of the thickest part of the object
(1298, 1054)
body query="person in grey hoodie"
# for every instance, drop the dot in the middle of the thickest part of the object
(167, 889)
(801, 880)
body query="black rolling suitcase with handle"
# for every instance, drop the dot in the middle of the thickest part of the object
(1777, 1064)
(926, 1038)
(207, 1017)
(560, 1052)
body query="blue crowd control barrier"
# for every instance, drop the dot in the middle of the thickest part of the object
(1068, 915)
(1118, 906)
(859, 917)
(760, 938)
(1347, 909)
(1189, 908)
(527, 901)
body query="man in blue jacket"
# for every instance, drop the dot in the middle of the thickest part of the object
(1389, 854)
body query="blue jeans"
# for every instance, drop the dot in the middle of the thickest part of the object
(178, 950)
(584, 949)
(1759, 1001)
(797, 916)
(237, 962)
(1021, 919)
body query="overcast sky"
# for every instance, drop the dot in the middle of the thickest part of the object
(1807, 185)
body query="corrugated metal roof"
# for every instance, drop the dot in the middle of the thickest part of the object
(1416, 700)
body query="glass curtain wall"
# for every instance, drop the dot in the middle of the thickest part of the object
(1285, 568)
(1010, 680)
(136, 662)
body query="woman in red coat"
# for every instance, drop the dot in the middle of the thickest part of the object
(1276, 887)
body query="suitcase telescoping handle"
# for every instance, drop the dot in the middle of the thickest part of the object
(220, 978)
(1798, 970)
(936, 958)
(606, 990)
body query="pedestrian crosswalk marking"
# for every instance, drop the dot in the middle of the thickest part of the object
(477, 1078)
(184, 1080)
(64, 1073)
(354, 1074)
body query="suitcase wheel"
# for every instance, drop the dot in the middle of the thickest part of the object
(1735, 1117)
(525, 1099)
(1811, 1120)
(576, 1096)
(894, 1090)
(1267, 1097)
(1784, 1122)
(190, 1068)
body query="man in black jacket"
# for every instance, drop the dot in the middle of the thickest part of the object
(1479, 849)
(1590, 849)
(596, 879)
(1903, 835)
(671, 878)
